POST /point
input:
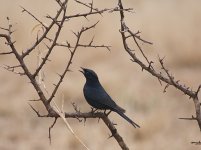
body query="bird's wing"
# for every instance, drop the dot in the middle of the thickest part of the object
(101, 97)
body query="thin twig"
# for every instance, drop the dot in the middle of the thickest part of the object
(25, 10)
(50, 128)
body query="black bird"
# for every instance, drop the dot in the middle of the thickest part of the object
(98, 98)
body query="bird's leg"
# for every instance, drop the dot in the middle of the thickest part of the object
(106, 112)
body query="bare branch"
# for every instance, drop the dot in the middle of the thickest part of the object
(28, 12)
(192, 118)
(35, 100)
(168, 79)
(70, 60)
(96, 12)
(95, 46)
(135, 35)
(29, 50)
(61, 113)
(90, 5)
(37, 112)
(196, 143)
(106, 120)
(53, 42)
(4, 28)
(6, 53)
(13, 69)
(90, 45)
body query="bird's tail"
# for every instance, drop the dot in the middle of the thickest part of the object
(128, 119)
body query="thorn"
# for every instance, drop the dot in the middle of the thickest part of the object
(85, 119)
(75, 107)
(160, 81)
(91, 41)
(108, 48)
(80, 120)
(69, 70)
(59, 75)
(37, 112)
(177, 81)
(151, 62)
(99, 119)
(86, 17)
(110, 136)
(192, 118)
(165, 88)
(76, 34)
(114, 123)
(34, 100)
(68, 44)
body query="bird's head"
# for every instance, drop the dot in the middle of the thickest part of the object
(89, 74)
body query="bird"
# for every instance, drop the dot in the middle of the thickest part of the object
(98, 98)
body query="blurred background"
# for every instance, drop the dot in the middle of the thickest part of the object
(173, 26)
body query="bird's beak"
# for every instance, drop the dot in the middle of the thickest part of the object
(82, 71)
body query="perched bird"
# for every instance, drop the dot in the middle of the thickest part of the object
(98, 98)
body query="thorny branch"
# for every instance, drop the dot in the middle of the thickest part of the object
(47, 30)
(167, 77)
(50, 48)
(57, 21)
(72, 52)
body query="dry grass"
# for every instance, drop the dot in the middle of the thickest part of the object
(173, 26)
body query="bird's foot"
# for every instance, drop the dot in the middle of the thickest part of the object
(93, 110)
